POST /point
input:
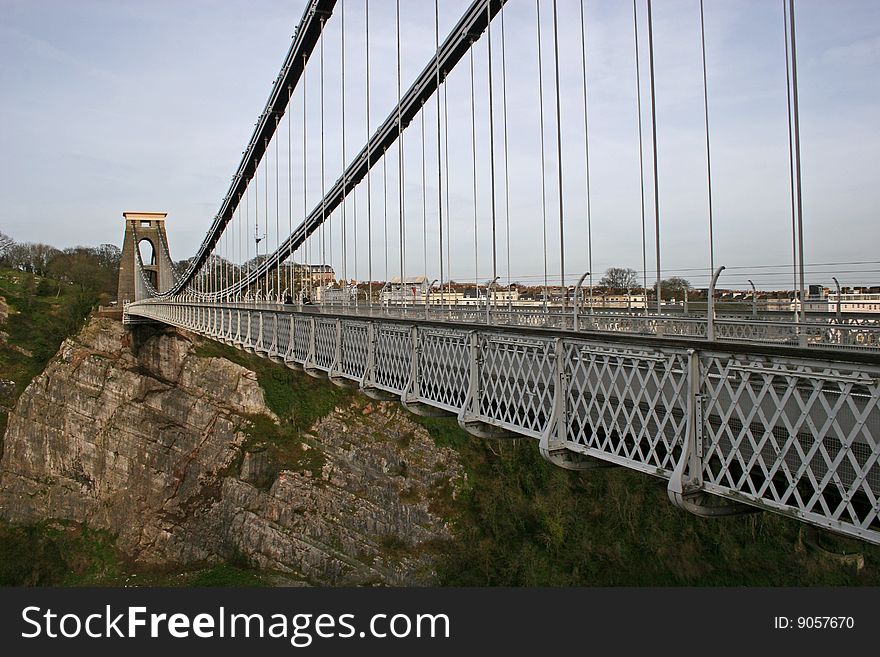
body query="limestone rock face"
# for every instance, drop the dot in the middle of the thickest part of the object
(135, 433)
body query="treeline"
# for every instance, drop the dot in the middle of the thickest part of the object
(94, 270)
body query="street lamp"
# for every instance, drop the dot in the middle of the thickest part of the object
(577, 294)
(834, 278)
(488, 291)
(754, 300)
(428, 296)
(710, 327)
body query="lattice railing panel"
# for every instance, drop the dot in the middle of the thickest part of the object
(393, 354)
(627, 404)
(302, 332)
(517, 383)
(444, 367)
(355, 348)
(282, 338)
(325, 343)
(794, 437)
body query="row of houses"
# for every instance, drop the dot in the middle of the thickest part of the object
(418, 290)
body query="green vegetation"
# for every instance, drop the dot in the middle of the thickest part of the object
(68, 554)
(524, 522)
(42, 313)
(47, 554)
(297, 399)
(225, 575)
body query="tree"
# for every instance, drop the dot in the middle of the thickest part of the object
(675, 287)
(5, 243)
(33, 258)
(619, 279)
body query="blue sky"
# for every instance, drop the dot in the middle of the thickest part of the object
(111, 106)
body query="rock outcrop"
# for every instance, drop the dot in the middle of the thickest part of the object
(138, 434)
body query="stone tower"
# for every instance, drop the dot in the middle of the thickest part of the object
(144, 231)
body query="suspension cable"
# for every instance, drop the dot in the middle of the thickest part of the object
(278, 297)
(491, 144)
(308, 245)
(543, 148)
(446, 158)
(654, 152)
(246, 229)
(400, 165)
(587, 156)
(474, 159)
(241, 257)
(794, 249)
(708, 151)
(344, 181)
(559, 156)
(424, 198)
(641, 154)
(797, 159)
(506, 150)
(369, 160)
(323, 185)
(266, 210)
(291, 271)
(354, 254)
(439, 154)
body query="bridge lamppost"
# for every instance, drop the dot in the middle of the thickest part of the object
(710, 326)
(428, 296)
(754, 300)
(577, 296)
(834, 278)
(488, 298)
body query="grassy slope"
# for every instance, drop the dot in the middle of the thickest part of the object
(524, 522)
(42, 313)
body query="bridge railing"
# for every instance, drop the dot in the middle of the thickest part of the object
(858, 334)
(750, 426)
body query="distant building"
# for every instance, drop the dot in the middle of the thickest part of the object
(321, 274)
(617, 301)
(329, 294)
(852, 300)
(411, 291)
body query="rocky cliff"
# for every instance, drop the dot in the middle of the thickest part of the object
(178, 455)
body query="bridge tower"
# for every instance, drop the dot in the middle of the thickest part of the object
(144, 232)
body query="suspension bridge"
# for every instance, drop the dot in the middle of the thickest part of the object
(401, 285)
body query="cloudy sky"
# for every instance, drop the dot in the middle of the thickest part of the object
(111, 106)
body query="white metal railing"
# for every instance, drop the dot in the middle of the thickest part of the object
(855, 334)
